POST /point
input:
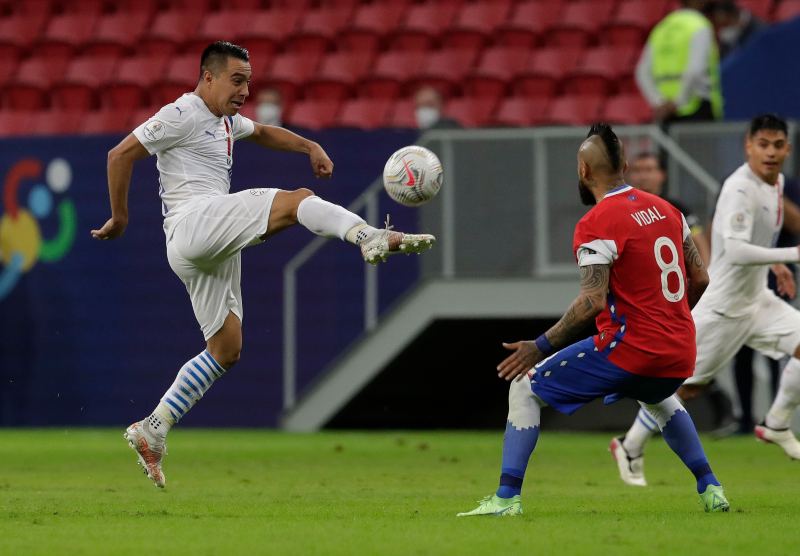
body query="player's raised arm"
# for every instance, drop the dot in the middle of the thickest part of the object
(590, 302)
(695, 272)
(281, 139)
(120, 168)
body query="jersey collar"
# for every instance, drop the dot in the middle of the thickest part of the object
(617, 190)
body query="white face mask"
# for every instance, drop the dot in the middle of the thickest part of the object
(426, 116)
(729, 35)
(268, 113)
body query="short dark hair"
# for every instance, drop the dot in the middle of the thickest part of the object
(611, 142)
(650, 154)
(217, 53)
(768, 121)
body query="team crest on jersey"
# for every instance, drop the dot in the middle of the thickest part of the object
(738, 223)
(154, 130)
(258, 192)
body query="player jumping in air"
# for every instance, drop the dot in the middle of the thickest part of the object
(207, 227)
(640, 274)
(738, 308)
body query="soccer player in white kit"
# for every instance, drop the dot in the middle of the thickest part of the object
(738, 308)
(206, 227)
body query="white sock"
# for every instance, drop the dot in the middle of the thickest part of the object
(640, 432)
(326, 219)
(788, 398)
(193, 380)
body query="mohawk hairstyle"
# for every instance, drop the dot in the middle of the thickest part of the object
(216, 54)
(611, 142)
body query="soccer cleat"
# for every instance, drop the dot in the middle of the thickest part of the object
(387, 242)
(784, 438)
(494, 505)
(714, 499)
(150, 449)
(631, 470)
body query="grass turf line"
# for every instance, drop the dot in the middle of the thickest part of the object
(79, 491)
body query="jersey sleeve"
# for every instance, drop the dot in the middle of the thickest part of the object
(687, 229)
(594, 245)
(241, 127)
(735, 210)
(168, 127)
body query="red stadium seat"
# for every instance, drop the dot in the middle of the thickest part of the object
(8, 69)
(56, 122)
(84, 76)
(337, 74)
(313, 114)
(520, 112)
(267, 30)
(28, 91)
(391, 70)
(364, 113)
(632, 22)
(290, 71)
(573, 110)
(599, 69)
(118, 33)
(544, 71)
(627, 109)
(422, 25)
(106, 121)
(579, 22)
(317, 29)
(21, 30)
(475, 23)
(370, 24)
(217, 26)
(84, 7)
(445, 70)
(403, 115)
(181, 77)
(15, 122)
(133, 80)
(787, 9)
(495, 70)
(169, 30)
(471, 111)
(762, 9)
(66, 34)
(527, 22)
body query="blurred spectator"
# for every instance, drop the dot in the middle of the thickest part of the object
(735, 26)
(269, 110)
(428, 111)
(678, 71)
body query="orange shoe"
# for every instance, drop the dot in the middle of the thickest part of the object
(150, 449)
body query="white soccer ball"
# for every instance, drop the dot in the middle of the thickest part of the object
(412, 176)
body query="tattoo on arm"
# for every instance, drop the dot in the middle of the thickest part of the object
(594, 288)
(691, 255)
(695, 272)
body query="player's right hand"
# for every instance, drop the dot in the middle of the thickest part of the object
(113, 228)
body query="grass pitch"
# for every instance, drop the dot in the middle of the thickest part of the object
(79, 491)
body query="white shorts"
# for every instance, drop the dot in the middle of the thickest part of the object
(774, 330)
(204, 250)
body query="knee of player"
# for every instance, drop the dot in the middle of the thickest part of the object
(230, 357)
(299, 196)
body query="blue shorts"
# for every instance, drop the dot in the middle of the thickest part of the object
(579, 374)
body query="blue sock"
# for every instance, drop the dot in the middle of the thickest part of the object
(680, 434)
(518, 445)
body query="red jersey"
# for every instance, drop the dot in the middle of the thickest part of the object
(646, 324)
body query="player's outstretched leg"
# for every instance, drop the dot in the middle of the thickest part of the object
(628, 450)
(680, 434)
(775, 428)
(522, 433)
(329, 220)
(148, 436)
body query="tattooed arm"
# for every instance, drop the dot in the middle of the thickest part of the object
(590, 302)
(695, 272)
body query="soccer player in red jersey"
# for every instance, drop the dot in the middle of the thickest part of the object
(640, 275)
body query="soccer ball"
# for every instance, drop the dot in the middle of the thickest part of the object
(412, 176)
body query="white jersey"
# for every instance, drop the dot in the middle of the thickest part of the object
(751, 210)
(195, 152)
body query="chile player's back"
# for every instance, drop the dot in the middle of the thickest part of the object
(647, 320)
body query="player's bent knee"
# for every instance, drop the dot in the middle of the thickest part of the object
(523, 406)
(690, 391)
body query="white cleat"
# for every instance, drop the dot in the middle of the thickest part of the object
(387, 242)
(631, 470)
(150, 450)
(784, 438)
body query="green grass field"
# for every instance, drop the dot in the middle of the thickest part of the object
(79, 491)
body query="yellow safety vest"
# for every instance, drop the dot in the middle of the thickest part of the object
(669, 47)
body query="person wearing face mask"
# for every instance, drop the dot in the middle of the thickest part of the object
(735, 26)
(270, 107)
(428, 111)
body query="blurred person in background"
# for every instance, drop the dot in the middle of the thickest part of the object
(428, 110)
(678, 70)
(269, 110)
(734, 25)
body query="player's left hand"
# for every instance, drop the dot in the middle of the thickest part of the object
(321, 165)
(784, 280)
(525, 356)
